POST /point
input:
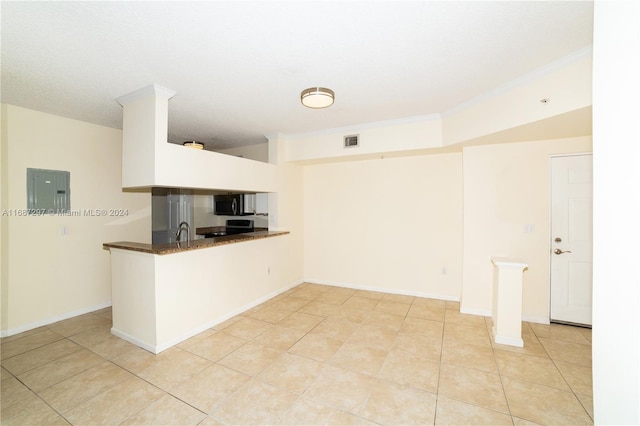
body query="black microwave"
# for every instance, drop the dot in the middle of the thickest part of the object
(230, 205)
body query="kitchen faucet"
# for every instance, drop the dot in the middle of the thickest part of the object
(179, 232)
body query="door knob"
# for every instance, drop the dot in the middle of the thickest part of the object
(558, 251)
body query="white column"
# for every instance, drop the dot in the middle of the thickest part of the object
(145, 122)
(507, 301)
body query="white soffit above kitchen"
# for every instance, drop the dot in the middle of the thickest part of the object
(238, 67)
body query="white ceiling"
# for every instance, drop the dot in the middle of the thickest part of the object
(238, 67)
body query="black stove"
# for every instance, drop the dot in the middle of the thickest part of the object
(239, 226)
(234, 227)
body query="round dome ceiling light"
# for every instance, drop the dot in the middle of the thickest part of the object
(317, 97)
(193, 144)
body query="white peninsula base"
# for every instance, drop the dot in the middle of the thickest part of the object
(161, 300)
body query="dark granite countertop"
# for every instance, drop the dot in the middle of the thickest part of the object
(170, 248)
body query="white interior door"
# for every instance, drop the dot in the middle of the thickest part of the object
(571, 238)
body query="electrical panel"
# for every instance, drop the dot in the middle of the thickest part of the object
(48, 191)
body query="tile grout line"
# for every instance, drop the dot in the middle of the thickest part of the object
(323, 363)
(111, 387)
(37, 393)
(358, 412)
(553, 361)
(564, 378)
(435, 409)
(326, 363)
(135, 375)
(374, 377)
(500, 376)
(148, 382)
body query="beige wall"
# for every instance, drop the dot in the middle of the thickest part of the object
(388, 137)
(506, 186)
(286, 212)
(566, 83)
(391, 225)
(46, 275)
(429, 224)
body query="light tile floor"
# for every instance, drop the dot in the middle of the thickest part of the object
(312, 355)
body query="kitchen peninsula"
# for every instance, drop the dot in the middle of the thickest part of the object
(163, 294)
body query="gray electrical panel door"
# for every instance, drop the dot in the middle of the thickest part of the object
(48, 190)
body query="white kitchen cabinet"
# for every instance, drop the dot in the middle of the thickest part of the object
(262, 203)
(249, 204)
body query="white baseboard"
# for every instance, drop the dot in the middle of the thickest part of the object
(488, 313)
(537, 320)
(384, 290)
(54, 319)
(507, 340)
(124, 336)
(479, 312)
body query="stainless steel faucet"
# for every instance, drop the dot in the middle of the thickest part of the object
(179, 232)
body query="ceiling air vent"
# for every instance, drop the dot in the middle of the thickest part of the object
(351, 141)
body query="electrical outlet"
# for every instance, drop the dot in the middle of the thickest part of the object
(528, 228)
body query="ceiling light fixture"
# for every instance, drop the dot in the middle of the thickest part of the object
(193, 144)
(317, 97)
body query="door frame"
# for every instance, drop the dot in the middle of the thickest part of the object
(549, 233)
